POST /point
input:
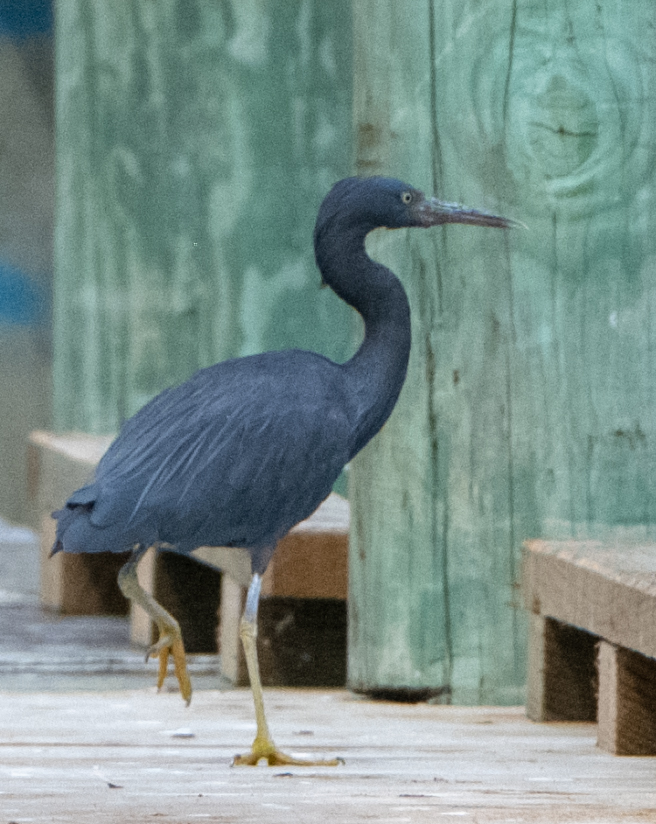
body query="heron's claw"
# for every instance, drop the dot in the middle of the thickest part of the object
(170, 636)
(170, 643)
(265, 750)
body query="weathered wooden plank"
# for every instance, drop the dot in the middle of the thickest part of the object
(583, 280)
(142, 629)
(608, 589)
(72, 584)
(392, 640)
(233, 663)
(194, 145)
(432, 575)
(562, 675)
(528, 409)
(110, 756)
(606, 594)
(627, 701)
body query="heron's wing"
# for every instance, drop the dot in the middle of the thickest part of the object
(226, 459)
(253, 487)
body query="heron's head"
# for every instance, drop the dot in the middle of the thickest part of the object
(372, 202)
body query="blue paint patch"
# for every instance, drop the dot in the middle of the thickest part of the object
(25, 18)
(22, 300)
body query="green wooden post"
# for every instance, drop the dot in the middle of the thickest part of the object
(194, 143)
(530, 406)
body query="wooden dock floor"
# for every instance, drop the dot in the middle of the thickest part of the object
(133, 756)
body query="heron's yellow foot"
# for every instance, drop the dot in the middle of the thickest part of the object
(172, 646)
(264, 749)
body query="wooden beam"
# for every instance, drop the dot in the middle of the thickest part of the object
(627, 701)
(562, 677)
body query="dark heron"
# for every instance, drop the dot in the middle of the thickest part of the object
(246, 449)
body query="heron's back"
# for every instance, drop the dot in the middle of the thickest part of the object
(235, 456)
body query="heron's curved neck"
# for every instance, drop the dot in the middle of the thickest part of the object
(377, 370)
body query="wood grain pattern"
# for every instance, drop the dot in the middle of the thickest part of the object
(71, 584)
(528, 409)
(562, 672)
(607, 589)
(195, 142)
(62, 752)
(605, 593)
(627, 703)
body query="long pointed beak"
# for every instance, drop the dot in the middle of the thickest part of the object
(434, 212)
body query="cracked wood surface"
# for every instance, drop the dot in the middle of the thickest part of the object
(528, 409)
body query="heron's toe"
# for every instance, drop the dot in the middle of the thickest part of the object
(266, 750)
(170, 644)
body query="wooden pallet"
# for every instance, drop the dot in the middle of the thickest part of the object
(592, 639)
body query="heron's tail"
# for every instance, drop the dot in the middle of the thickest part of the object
(79, 505)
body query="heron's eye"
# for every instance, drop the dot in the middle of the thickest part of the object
(406, 197)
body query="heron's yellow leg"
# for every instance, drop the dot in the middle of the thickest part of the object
(263, 748)
(169, 642)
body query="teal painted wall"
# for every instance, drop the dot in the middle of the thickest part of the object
(195, 141)
(529, 405)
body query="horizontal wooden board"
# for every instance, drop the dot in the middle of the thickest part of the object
(134, 756)
(608, 589)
